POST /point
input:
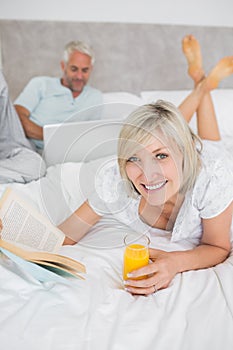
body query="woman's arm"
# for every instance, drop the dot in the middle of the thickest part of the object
(79, 223)
(213, 249)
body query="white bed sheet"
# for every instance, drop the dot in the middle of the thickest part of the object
(195, 312)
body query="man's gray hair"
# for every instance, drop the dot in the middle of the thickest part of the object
(80, 46)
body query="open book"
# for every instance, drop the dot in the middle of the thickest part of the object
(29, 236)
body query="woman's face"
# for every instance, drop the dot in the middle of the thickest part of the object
(156, 171)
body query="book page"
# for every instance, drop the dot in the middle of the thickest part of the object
(35, 271)
(44, 258)
(26, 227)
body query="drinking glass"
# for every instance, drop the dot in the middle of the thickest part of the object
(136, 253)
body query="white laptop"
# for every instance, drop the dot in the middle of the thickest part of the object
(80, 141)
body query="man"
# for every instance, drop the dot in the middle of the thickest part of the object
(47, 100)
(18, 160)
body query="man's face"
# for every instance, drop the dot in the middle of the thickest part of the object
(76, 72)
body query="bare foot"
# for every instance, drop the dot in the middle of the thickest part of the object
(223, 69)
(192, 51)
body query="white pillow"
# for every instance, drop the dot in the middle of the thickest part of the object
(64, 188)
(174, 96)
(49, 194)
(223, 103)
(122, 97)
(118, 105)
(222, 99)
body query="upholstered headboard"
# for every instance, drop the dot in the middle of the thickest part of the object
(129, 57)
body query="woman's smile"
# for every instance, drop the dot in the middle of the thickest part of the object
(155, 171)
(156, 186)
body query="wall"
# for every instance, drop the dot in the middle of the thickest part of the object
(184, 12)
(129, 56)
(127, 35)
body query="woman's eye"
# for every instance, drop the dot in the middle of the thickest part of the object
(133, 159)
(161, 156)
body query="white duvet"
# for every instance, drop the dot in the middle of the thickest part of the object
(194, 313)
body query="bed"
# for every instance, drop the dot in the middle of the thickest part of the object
(195, 312)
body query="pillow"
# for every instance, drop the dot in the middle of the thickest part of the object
(78, 182)
(223, 103)
(222, 99)
(122, 97)
(174, 96)
(118, 105)
(64, 188)
(49, 195)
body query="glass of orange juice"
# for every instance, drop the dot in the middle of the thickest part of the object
(136, 253)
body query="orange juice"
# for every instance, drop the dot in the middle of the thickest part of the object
(135, 256)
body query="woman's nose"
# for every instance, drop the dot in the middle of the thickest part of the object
(151, 170)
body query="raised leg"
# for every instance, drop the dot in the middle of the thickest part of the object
(223, 69)
(200, 100)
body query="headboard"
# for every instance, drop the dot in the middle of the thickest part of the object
(129, 57)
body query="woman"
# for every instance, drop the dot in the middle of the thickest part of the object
(173, 183)
(181, 187)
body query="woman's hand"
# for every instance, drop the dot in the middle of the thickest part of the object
(157, 275)
(1, 225)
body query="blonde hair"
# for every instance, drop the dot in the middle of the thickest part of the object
(155, 119)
